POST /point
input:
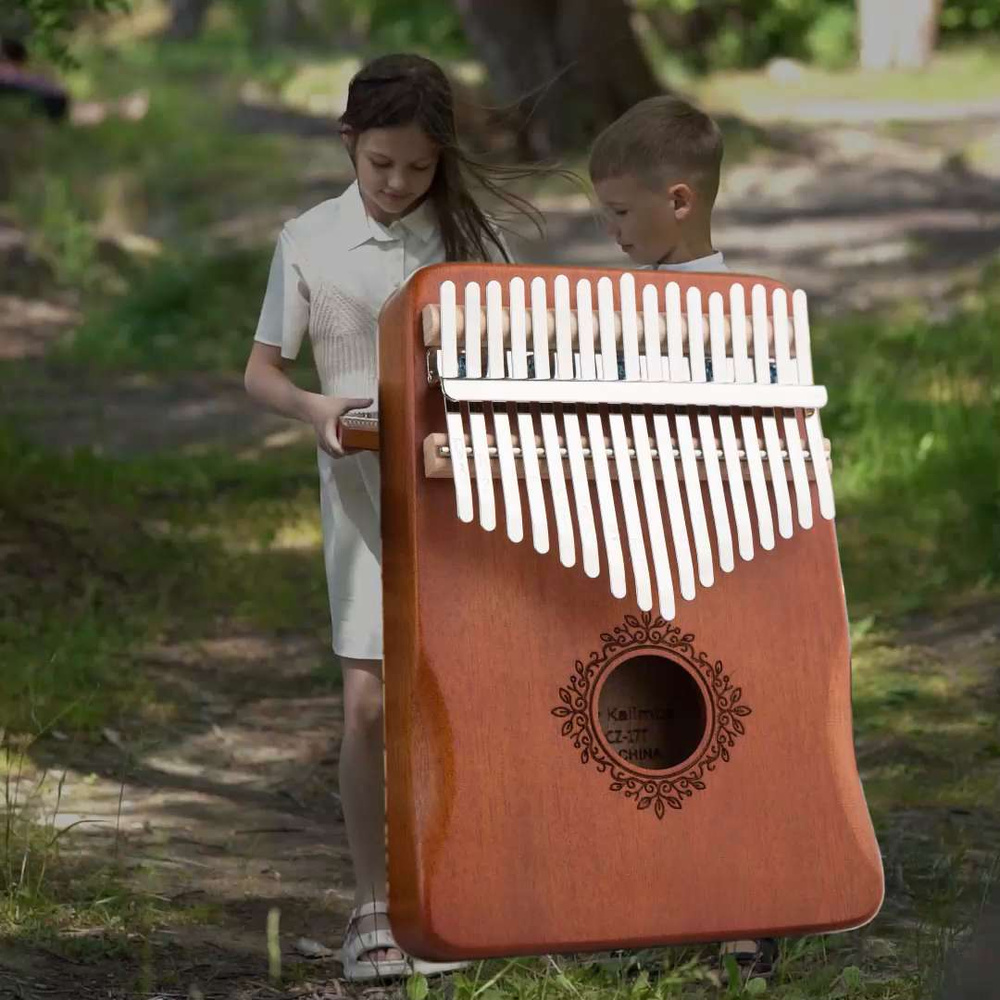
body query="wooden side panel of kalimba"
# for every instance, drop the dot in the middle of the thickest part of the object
(520, 818)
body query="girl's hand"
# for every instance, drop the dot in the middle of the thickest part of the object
(326, 413)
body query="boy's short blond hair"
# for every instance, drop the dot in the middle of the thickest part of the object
(661, 139)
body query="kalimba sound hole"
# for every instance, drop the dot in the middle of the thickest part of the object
(652, 712)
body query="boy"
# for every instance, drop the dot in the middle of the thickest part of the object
(656, 172)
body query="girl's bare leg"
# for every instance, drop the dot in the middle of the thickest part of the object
(362, 784)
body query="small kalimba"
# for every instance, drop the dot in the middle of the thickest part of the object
(617, 683)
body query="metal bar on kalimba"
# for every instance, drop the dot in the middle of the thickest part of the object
(814, 433)
(477, 418)
(550, 432)
(644, 458)
(743, 372)
(574, 441)
(734, 470)
(680, 372)
(665, 453)
(495, 368)
(762, 368)
(595, 431)
(623, 465)
(716, 493)
(788, 373)
(525, 421)
(453, 416)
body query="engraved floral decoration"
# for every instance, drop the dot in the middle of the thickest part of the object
(652, 790)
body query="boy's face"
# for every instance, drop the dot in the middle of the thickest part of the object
(395, 168)
(643, 219)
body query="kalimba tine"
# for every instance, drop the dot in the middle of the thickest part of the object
(617, 665)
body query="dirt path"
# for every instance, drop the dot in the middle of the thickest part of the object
(230, 809)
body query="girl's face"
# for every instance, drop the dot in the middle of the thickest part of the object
(395, 168)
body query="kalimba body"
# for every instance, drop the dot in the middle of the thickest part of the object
(568, 770)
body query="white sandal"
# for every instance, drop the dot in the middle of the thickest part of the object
(356, 944)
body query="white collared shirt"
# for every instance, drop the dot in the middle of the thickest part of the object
(712, 262)
(333, 268)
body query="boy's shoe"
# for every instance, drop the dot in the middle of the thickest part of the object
(754, 959)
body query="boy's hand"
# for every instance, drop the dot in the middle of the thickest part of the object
(326, 414)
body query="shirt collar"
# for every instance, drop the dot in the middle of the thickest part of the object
(358, 227)
(421, 222)
(711, 262)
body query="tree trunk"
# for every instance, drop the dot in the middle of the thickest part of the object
(187, 18)
(283, 22)
(898, 35)
(918, 35)
(565, 76)
(689, 31)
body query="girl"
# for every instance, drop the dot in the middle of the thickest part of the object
(333, 268)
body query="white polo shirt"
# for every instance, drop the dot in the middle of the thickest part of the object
(333, 268)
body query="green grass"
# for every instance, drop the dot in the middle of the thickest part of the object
(179, 169)
(79, 907)
(182, 177)
(914, 415)
(818, 967)
(192, 311)
(82, 908)
(104, 555)
(100, 560)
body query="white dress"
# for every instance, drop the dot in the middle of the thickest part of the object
(333, 268)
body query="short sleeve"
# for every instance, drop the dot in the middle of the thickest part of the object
(284, 315)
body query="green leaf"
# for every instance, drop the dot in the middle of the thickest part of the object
(852, 978)
(641, 985)
(733, 974)
(416, 987)
(756, 986)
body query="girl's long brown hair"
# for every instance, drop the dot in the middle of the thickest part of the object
(404, 89)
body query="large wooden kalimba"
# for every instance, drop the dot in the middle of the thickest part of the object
(617, 665)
